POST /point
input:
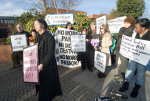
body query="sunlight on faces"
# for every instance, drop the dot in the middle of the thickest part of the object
(138, 28)
(93, 27)
(127, 24)
(37, 26)
(33, 34)
(19, 28)
(69, 26)
(84, 31)
(102, 29)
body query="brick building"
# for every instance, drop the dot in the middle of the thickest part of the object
(54, 11)
(6, 26)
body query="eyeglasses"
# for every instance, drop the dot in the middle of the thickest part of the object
(101, 28)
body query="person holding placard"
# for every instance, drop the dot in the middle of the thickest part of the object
(48, 71)
(68, 26)
(106, 42)
(141, 28)
(84, 56)
(19, 55)
(128, 29)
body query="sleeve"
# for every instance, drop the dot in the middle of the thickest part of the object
(50, 52)
(107, 41)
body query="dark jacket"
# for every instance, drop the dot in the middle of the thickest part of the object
(124, 31)
(146, 36)
(27, 35)
(49, 79)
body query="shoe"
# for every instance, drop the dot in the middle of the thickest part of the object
(124, 87)
(135, 91)
(101, 75)
(91, 70)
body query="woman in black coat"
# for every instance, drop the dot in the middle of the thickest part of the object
(84, 57)
(48, 73)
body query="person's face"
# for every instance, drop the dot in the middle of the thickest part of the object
(19, 28)
(84, 31)
(69, 26)
(102, 29)
(127, 24)
(138, 28)
(92, 27)
(37, 26)
(33, 34)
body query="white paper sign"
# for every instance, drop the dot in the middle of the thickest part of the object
(100, 21)
(116, 24)
(135, 49)
(100, 61)
(30, 64)
(18, 42)
(78, 43)
(67, 58)
(59, 19)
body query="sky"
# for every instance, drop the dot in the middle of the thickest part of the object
(17, 7)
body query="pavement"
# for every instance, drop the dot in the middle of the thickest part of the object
(77, 85)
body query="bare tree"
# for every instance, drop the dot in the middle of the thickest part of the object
(44, 4)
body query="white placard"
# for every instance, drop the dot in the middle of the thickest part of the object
(18, 42)
(100, 21)
(135, 49)
(116, 24)
(59, 19)
(67, 58)
(78, 43)
(30, 64)
(100, 61)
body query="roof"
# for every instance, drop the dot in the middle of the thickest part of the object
(95, 15)
(54, 11)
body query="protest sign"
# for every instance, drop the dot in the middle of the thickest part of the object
(116, 24)
(30, 64)
(78, 43)
(100, 61)
(100, 21)
(18, 42)
(135, 49)
(67, 58)
(59, 19)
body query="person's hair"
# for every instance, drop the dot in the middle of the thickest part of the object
(43, 23)
(19, 25)
(33, 30)
(130, 20)
(68, 23)
(144, 22)
(83, 29)
(106, 29)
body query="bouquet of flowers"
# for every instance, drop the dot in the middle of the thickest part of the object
(32, 39)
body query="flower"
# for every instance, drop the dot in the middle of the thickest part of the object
(32, 39)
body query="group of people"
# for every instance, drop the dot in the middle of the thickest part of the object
(49, 84)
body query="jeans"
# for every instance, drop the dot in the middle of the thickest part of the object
(140, 75)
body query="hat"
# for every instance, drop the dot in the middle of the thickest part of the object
(93, 23)
(42, 21)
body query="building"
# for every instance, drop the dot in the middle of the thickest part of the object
(54, 11)
(6, 26)
(94, 16)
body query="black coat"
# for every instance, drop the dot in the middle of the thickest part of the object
(49, 78)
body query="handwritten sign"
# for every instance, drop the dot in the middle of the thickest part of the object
(116, 24)
(78, 43)
(30, 64)
(59, 19)
(67, 58)
(18, 42)
(135, 49)
(100, 21)
(100, 61)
